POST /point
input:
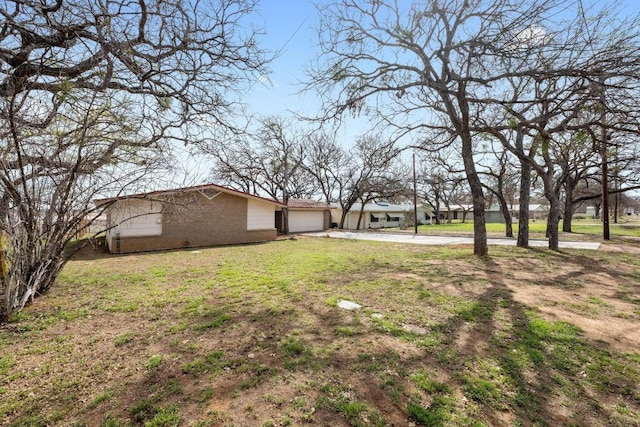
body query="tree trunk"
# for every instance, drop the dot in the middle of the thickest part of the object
(360, 217)
(479, 227)
(554, 218)
(342, 218)
(436, 212)
(605, 164)
(523, 213)
(567, 215)
(5, 285)
(506, 214)
(285, 220)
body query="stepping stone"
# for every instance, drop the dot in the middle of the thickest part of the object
(348, 305)
(415, 329)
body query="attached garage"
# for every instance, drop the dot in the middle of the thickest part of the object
(305, 216)
(301, 221)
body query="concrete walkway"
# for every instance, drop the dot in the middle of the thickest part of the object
(440, 240)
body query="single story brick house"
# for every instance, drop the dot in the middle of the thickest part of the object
(205, 215)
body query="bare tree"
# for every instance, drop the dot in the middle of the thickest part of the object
(462, 69)
(501, 180)
(421, 66)
(92, 96)
(268, 162)
(438, 184)
(363, 173)
(554, 75)
(326, 162)
(578, 161)
(281, 161)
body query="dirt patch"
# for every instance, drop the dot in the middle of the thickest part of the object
(599, 298)
(237, 336)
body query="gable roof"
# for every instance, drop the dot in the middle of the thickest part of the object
(215, 187)
(377, 207)
(307, 204)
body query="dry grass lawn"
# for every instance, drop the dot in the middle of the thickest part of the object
(252, 336)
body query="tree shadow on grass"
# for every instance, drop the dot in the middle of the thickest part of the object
(545, 364)
(494, 360)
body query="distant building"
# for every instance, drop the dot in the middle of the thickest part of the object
(378, 215)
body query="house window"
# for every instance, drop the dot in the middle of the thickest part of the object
(373, 218)
(393, 218)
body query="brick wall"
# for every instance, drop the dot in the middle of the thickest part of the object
(192, 220)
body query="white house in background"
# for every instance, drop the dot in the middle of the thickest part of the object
(305, 215)
(458, 212)
(377, 215)
(538, 211)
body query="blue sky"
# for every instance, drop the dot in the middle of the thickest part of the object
(290, 30)
(288, 27)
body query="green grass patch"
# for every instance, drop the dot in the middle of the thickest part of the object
(123, 307)
(154, 362)
(443, 338)
(345, 331)
(293, 346)
(481, 390)
(212, 362)
(6, 363)
(124, 339)
(216, 322)
(425, 383)
(356, 412)
(589, 227)
(437, 414)
(165, 417)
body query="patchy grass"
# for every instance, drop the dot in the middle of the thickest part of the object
(627, 227)
(252, 335)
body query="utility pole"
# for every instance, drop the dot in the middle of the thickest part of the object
(605, 166)
(415, 198)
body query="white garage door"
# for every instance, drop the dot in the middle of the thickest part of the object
(301, 221)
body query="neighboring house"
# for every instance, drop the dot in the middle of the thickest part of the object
(305, 215)
(458, 212)
(98, 224)
(375, 215)
(91, 224)
(205, 215)
(455, 212)
(536, 211)
(494, 215)
(425, 214)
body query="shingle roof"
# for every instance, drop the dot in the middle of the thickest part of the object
(183, 190)
(307, 204)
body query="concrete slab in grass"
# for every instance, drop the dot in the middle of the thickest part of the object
(348, 305)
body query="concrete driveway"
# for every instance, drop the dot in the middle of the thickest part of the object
(440, 240)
